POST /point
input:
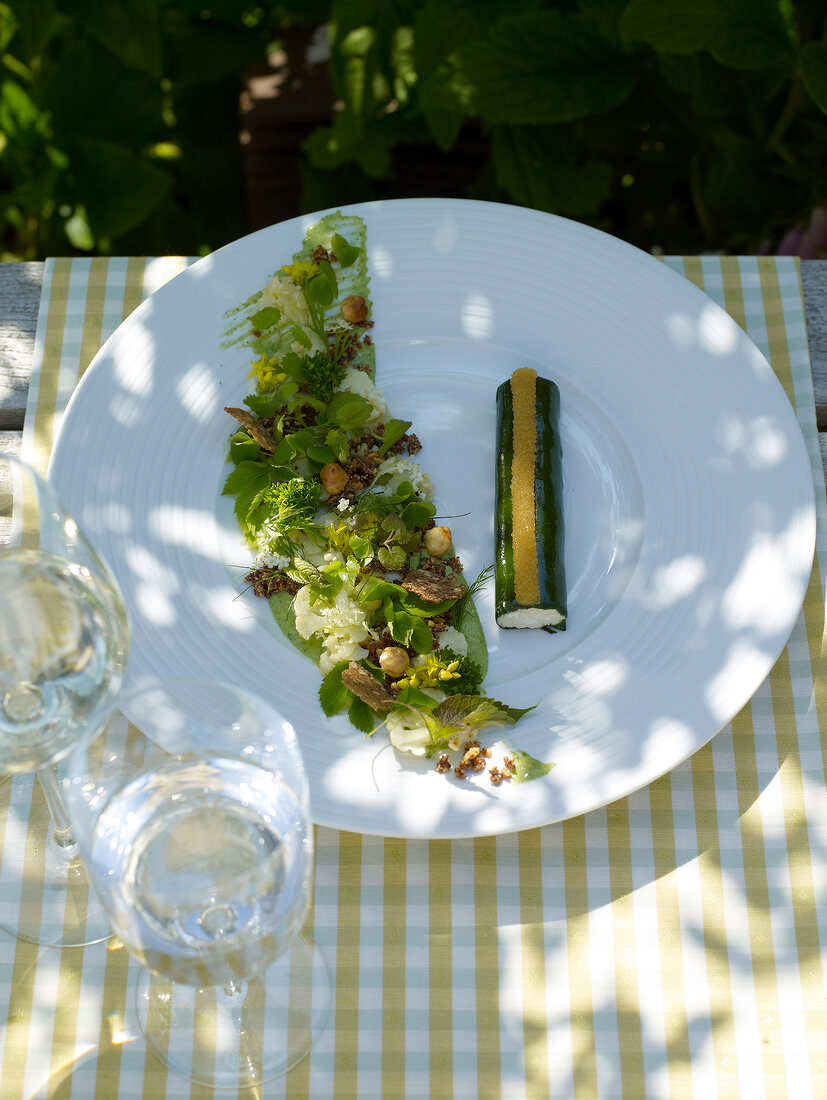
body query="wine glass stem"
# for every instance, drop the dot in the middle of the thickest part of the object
(57, 809)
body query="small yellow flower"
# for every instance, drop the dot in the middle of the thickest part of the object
(267, 376)
(301, 271)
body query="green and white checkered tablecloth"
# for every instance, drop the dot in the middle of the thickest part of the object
(667, 945)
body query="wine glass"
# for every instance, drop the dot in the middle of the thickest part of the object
(194, 829)
(63, 645)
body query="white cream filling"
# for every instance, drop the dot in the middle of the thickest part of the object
(530, 617)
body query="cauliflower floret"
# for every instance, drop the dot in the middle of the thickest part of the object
(407, 729)
(288, 298)
(340, 623)
(405, 469)
(453, 639)
(356, 381)
(407, 732)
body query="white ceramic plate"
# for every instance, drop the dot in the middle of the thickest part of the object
(689, 500)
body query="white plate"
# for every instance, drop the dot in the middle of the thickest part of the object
(689, 500)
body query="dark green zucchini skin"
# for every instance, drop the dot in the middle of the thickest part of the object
(548, 491)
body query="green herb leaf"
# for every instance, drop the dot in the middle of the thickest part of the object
(338, 442)
(321, 454)
(421, 637)
(263, 405)
(348, 410)
(243, 448)
(346, 253)
(361, 715)
(244, 475)
(296, 333)
(334, 697)
(361, 549)
(416, 698)
(394, 430)
(265, 318)
(417, 514)
(392, 557)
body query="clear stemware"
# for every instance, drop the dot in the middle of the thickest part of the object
(63, 646)
(194, 827)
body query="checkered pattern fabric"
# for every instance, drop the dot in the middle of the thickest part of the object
(666, 945)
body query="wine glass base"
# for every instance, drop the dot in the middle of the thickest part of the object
(234, 1041)
(45, 896)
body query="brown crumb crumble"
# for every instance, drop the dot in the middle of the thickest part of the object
(474, 759)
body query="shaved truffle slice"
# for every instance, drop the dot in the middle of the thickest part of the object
(431, 588)
(370, 691)
(263, 436)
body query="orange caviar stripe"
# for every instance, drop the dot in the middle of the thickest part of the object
(523, 507)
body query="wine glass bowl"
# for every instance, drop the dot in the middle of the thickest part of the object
(194, 827)
(64, 639)
(62, 649)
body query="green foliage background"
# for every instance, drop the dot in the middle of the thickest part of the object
(680, 124)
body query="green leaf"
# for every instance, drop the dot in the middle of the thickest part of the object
(348, 410)
(19, 113)
(248, 507)
(265, 318)
(243, 448)
(346, 253)
(392, 557)
(128, 114)
(417, 513)
(244, 476)
(394, 430)
(444, 127)
(744, 34)
(338, 443)
(462, 715)
(812, 65)
(361, 548)
(131, 31)
(321, 454)
(299, 336)
(285, 452)
(361, 715)
(415, 605)
(401, 625)
(120, 189)
(536, 168)
(198, 52)
(334, 697)
(417, 698)
(536, 68)
(421, 637)
(264, 405)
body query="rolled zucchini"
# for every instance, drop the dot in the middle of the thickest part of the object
(530, 573)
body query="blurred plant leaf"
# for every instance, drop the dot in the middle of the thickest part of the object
(745, 34)
(130, 111)
(19, 114)
(8, 25)
(130, 30)
(119, 188)
(539, 67)
(38, 22)
(542, 173)
(198, 52)
(812, 65)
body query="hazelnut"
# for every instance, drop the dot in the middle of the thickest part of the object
(333, 478)
(438, 541)
(354, 309)
(394, 660)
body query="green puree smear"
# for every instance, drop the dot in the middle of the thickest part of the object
(362, 577)
(527, 766)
